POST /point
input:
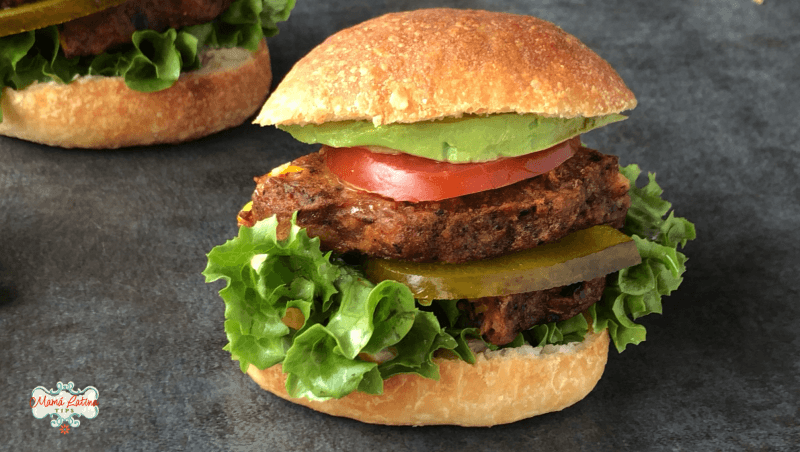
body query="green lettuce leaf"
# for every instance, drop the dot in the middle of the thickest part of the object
(571, 330)
(244, 24)
(415, 351)
(370, 318)
(635, 291)
(315, 369)
(152, 62)
(346, 315)
(264, 278)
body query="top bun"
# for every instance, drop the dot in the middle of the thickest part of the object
(436, 63)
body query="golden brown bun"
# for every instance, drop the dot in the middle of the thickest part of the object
(435, 63)
(102, 112)
(502, 387)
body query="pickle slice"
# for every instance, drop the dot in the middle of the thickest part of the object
(580, 256)
(32, 16)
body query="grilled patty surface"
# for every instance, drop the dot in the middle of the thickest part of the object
(584, 191)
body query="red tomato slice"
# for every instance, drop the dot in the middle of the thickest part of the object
(405, 177)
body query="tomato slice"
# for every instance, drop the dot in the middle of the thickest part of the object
(405, 177)
(32, 16)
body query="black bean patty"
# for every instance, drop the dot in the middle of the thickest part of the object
(107, 29)
(500, 319)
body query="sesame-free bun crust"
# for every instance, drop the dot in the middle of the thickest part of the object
(435, 63)
(502, 387)
(102, 112)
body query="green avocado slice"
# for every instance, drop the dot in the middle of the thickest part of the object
(470, 138)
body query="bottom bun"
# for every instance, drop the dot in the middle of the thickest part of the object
(102, 112)
(503, 386)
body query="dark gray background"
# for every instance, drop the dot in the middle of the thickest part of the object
(101, 254)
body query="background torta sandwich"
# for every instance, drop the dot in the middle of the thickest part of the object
(107, 74)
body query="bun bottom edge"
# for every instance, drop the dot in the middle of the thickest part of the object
(103, 113)
(501, 387)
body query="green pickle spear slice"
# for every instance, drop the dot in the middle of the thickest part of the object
(580, 256)
(33, 16)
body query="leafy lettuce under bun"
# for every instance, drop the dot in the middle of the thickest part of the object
(163, 87)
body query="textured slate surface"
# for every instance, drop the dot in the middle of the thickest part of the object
(101, 254)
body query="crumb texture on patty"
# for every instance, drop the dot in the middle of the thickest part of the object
(586, 190)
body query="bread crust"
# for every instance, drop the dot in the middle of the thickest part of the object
(502, 387)
(435, 63)
(102, 112)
